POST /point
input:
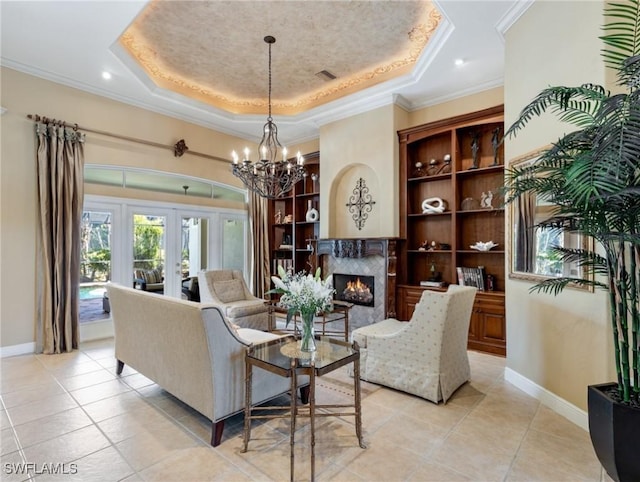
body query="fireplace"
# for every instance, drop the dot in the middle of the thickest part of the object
(356, 289)
(374, 257)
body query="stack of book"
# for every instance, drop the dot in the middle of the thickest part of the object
(433, 284)
(472, 277)
(286, 264)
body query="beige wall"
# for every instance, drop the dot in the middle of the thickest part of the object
(560, 343)
(305, 147)
(463, 105)
(23, 94)
(362, 146)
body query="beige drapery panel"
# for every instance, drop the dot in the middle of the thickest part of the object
(60, 163)
(526, 233)
(259, 224)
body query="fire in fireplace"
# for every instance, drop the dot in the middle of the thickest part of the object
(355, 289)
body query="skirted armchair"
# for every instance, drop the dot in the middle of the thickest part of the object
(227, 290)
(426, 356)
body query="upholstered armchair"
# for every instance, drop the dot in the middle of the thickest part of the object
(426, 356)
(227, 290)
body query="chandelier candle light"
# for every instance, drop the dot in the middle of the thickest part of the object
(273, 175)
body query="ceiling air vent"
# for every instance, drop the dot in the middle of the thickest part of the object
(325, 75)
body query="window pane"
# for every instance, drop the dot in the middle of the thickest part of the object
(233, 245)
(95, 264)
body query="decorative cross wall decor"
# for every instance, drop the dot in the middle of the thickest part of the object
(360, 203)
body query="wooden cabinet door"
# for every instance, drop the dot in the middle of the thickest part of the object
(487, 329)
(408, 298)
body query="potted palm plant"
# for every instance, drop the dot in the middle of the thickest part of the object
(591, 177)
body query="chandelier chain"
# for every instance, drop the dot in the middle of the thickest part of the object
(269, 176)
(269, 118)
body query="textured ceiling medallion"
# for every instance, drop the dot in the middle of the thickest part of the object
(362, 43)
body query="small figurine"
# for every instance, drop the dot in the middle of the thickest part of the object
(435, 275)
(485, 200)
(278, 217)
(288, 219)
(491, 282)
(433, 167)
(446, 167)
(495, 142)
(475, 148)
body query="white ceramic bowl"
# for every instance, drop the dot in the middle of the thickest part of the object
(481, 246)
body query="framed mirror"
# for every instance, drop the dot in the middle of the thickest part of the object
(530, 255)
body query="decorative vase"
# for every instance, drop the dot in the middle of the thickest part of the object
(312, 213)
(307, 340)
(614, 428)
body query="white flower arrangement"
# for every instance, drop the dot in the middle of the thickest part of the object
(304, 293)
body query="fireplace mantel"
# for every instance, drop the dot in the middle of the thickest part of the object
(357, 248)
(354, 248)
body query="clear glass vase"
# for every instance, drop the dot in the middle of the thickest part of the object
(307, 340)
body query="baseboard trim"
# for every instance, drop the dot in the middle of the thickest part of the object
(94, 330)
(551, 400)
(15, 350)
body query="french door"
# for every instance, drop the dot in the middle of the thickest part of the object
(176, 242)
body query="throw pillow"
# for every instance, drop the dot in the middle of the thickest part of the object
(229, 291)
(150, 276)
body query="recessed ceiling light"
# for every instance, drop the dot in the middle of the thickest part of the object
(459, 62)
(106, 75)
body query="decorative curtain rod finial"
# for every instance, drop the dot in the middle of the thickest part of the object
(180, 148)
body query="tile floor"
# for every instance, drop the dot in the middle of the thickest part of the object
(72, 410)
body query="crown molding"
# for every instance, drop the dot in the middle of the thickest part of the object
(457, 95)
(511, 16)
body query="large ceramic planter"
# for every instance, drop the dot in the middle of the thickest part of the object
(615, 434)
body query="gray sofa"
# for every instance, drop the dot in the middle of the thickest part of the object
(191, 351)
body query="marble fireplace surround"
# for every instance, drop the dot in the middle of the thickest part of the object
(368, 256)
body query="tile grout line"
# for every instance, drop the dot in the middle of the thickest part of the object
(20, 449)
(93, 422)
(524, 436)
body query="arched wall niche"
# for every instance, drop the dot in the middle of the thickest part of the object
(344, 190)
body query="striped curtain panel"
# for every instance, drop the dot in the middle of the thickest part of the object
(60, 163)
(258, 222)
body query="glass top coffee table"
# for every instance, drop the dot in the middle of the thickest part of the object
(283, 357)
(327, 322)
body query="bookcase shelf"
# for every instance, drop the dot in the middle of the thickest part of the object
(299, 233)
(459, 161)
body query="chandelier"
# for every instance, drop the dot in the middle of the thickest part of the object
(273, 175)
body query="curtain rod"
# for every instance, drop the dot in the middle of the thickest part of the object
(179, 148)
